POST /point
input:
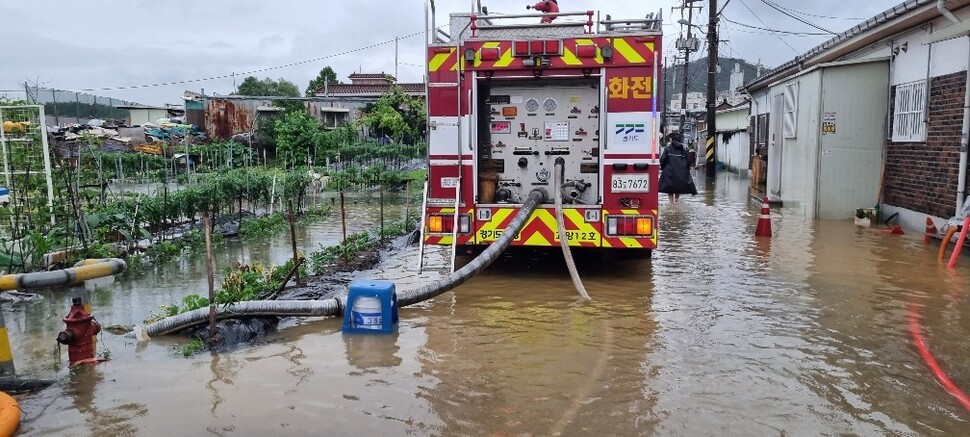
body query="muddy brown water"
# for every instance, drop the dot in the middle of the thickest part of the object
(805, 334)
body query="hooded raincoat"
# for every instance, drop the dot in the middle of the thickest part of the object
(675, 175)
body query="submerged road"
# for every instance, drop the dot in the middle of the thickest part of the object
(719, 334)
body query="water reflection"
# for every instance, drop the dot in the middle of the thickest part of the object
(367, 351)
(519, 354)
(720, 332)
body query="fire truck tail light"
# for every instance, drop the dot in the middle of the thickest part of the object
(436, 223)
(535, 47)
(552, 47)
(445, 224)
(644, 226)
(521, 48)
(629, 226)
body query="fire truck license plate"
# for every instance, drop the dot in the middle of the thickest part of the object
(631, 183)
(581, 236)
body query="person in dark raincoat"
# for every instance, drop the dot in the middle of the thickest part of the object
(675, 178)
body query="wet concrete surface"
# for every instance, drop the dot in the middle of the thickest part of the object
(720, 333)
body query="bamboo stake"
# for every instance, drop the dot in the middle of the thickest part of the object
(296, 255)
(209, 277)
(343, 224)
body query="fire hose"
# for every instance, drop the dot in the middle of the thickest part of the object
(561, 223)
(336, 306)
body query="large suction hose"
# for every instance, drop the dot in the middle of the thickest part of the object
(563, 239)
(334, 306)
(266, 308)
(481, 261)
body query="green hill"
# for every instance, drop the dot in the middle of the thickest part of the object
(673, 75)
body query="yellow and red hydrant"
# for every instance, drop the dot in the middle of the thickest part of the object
(79, 334)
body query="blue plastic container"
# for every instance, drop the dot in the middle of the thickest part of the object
(371, 308)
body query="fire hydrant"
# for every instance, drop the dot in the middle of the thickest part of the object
(550, 7)
(79, 334)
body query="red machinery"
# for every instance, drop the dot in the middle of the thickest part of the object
(506, 100)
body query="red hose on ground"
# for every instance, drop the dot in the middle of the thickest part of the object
(960, 241)
(917, 332)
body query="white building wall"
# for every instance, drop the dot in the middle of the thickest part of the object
(799, 155)
(944, 57)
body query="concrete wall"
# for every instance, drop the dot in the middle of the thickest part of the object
(735, 152)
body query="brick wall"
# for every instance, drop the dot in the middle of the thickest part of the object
(923, 176)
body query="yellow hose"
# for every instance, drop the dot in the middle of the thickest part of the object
(946, 240)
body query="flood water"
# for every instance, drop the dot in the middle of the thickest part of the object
(805, 334)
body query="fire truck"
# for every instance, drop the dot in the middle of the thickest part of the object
(511, 98)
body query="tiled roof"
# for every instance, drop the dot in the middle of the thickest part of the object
(369, 90)
(367, 76)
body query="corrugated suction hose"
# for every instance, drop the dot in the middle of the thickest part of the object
(335, 307)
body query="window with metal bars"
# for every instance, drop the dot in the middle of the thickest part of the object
(909, 112)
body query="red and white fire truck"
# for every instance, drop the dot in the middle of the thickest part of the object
(508, 98)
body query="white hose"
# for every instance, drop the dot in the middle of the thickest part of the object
(563, 238)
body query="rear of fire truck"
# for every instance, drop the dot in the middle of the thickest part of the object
(513, 98)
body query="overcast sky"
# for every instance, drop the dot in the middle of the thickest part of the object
(99, 44)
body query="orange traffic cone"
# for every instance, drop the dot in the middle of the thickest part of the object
(895, 230)
(764, 221)
(930, 230)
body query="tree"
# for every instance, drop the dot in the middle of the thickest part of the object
(326, 76)
(267, 87)
(397, 115)
(297, 135)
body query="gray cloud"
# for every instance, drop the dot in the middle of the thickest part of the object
(106, 43)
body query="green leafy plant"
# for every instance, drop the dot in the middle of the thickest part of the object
(193, 347)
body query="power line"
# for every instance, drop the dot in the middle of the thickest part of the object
(755, 32)
(259, 70)
(766, 27)
(788, 32)
(795, 17)
(828, 17)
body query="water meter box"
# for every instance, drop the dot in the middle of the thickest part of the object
(371, 308)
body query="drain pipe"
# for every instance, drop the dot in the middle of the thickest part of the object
(964, 141)
(336, 306)
(941, 6)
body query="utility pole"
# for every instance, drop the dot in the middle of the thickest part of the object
(712, 64)
(687, 47)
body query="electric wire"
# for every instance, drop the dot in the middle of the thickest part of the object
(766, 26)
(754, 32)
(795, 17)
(258, 70)
(807, 14)
(786, 32)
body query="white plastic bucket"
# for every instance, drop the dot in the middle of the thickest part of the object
(366, 313)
